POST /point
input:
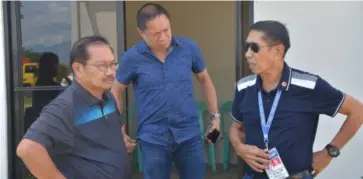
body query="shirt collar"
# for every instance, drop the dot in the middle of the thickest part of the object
(285, 80)
(144, 48)
(87, 96)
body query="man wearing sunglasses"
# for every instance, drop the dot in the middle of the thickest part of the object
(276, 111)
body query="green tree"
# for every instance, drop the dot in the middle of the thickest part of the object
(63, 71)
(33, 56)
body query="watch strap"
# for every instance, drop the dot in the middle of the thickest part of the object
(215, 115)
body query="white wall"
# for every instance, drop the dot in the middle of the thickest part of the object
(326, 34)
(3, 105)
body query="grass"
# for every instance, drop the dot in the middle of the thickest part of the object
(28, 101)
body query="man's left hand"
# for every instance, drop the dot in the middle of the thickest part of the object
(321, 160)
(215, 124)
(130, 143)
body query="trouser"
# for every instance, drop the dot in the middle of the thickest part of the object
(300, 175)
(187, 156)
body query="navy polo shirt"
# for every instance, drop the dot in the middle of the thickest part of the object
(305, 96)
(82, 135)
(164, 91)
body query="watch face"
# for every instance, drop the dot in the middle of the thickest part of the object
(215, 116)
(334, 152)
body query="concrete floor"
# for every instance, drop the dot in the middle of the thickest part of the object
(219, 174)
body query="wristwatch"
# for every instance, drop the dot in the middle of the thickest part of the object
(216, 115)
(332, 150)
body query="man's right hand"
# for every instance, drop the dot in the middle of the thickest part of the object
(255, 157)
(130, 144)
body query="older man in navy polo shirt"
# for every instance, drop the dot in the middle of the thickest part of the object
(276, 111)
(161, 68)
(78, 134)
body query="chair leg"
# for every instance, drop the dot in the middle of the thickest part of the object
(201, 123)
(134, 158)
(134, 154)
(212, 157)
(139, 159)
(226, 153)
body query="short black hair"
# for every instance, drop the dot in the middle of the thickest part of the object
(79, 50)
(275, 32)
(148, 12)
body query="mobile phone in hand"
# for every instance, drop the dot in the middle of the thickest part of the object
(213, 136)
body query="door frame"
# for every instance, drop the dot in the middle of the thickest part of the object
(8, 89)
(10, 11)
(242, 69)
(240, 35)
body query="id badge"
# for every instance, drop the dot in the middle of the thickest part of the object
(276, 169)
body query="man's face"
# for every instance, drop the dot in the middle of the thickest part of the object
(100, 68)
(157, 33)
(260, 56)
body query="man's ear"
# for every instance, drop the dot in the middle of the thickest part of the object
(279, 50)
(140, 32)
(77, 68)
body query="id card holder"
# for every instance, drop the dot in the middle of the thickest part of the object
(276, 169)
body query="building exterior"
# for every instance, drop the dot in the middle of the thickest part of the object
(326, 39)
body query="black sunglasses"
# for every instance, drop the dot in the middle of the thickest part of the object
(254, 46)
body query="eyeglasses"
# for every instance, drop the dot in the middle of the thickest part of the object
(255, 47)
(104, 66)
